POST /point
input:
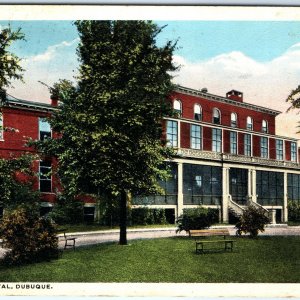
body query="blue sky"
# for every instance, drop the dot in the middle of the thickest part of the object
(259, 58)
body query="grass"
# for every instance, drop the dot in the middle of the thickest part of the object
(265, 259)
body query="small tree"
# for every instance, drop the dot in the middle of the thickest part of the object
(252, 221)
(29, 237)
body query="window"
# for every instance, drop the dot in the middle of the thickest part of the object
(279, 149)
(216, 140)
(44, 129)
(264, 127)
(177, 107)
(202, 185)
(293, 151)
(1, 126)
(216, 116)
(264, 147)
(197, 112)
(172, 133)
(249, 123)
(238, 185)
(294, 187)
(196, 137)
(247, 144)
(233, 142)
(45, 176)
(269, 187)
(233, 119)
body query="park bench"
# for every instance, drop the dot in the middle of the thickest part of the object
(200, 244)
(69, 241)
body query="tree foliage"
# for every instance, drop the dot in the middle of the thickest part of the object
(16, 182)
(10, 68)
(110, 122)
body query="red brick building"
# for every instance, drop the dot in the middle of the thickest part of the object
(227, 154)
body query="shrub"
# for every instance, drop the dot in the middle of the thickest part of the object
(148, 216)
(197, 218)
(67, 211)
(29, 237)
(294, 211)
(252, 221)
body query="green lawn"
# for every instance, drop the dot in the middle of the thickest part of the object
(266, 259)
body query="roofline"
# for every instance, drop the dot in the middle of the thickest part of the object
(217, 98)
(26, 104)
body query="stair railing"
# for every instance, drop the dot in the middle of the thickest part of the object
(234, 206)
(251, 202)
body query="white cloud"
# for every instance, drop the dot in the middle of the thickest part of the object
(57, 62)
(263, 83)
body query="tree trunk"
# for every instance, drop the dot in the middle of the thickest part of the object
(123, 218)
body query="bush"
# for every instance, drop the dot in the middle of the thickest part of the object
(197, 218)
(67, 211)
(252, 221)
(294, 211)
(147, 216)
(29, 237)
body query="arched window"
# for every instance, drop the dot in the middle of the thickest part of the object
(216, 116)
(264, 127)
(197, 112)
(1, 126)
(177, 107)
(249, 123)
(233, 120)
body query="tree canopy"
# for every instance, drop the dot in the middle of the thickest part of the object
(111, 121)
(10, 68)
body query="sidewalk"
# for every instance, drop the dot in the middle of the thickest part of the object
(98, 237)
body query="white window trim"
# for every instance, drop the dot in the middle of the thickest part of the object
(213, 116)
(40, 179)
(1, 127)
(41, 118)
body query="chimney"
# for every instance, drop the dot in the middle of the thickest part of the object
(54, 100)
(235, 95)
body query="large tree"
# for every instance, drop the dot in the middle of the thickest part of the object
(111, 122)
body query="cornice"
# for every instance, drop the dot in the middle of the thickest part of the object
(189, 91)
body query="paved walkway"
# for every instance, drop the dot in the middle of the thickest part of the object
(97, 237)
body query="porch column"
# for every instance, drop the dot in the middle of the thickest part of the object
(250, 190)
(225, 193)
(284, 216)
(253, 186)
(179, 189)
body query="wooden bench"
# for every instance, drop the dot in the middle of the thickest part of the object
(69, 241)
(197, 234)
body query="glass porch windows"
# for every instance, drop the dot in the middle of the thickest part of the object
(293, 151)
(216, 140)
(196, 137)
(233, 120)
(249, 123)
(216, 116)
(45, 176)
(177, 107)
(247, 144)
(172, 133)
(279, 149)
(293, 182)
(264, 149)
(269, 187)
(197, 112)
(264, 126)
(44, 129)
